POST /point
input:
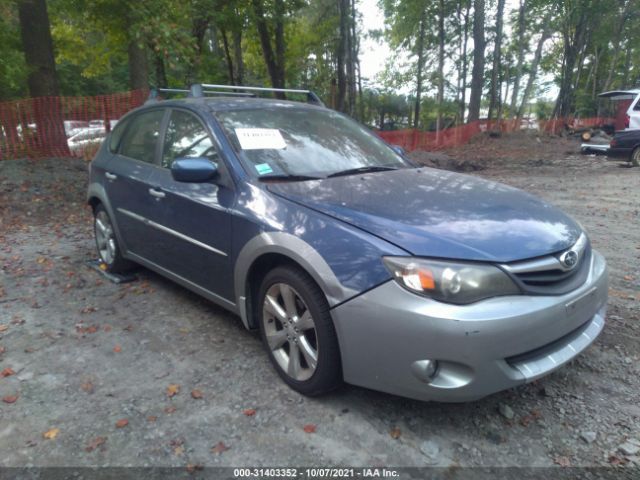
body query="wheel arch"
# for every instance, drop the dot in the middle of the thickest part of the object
(97, 196)
(268, 250)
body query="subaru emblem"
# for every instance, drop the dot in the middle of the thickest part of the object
(569, 259)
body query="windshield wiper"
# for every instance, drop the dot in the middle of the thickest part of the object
(355, 171)
(289, 177)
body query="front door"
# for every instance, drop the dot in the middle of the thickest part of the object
(194, 217)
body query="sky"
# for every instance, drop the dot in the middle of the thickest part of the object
(373, 54)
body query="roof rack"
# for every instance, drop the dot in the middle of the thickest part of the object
(198, 90)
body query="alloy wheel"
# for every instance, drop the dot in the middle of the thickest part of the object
(290, 331)
(105, 238)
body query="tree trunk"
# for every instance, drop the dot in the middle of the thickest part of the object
(572, 45)
(546, 33)
(627, 66)
(494, 97)
(520, 59)
(161, 73)
(353, 57)
(237, 55)
(342, 56)
(441, 39)
(421, 35)
(477, 73)
(37, 44)
(280, 42)
(227, 56)
(465, 64)
(138, 74)
(276, 71)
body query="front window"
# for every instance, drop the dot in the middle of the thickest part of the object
(186, 137)
(304, 142)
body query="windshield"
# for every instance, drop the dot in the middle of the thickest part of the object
(304, 142)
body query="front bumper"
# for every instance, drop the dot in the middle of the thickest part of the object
(492, 345)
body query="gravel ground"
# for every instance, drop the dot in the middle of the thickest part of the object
(147, 373)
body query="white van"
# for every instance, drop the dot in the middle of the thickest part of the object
(626, 110)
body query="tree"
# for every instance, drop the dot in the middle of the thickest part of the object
(521, 47)
(477, 73)
(496, 84)
(42, 79)
(274, 56)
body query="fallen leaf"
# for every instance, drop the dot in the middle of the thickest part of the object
(4, 328)
(170, 410)
(219, 447)
(628, 278)
(197, 394)
(117, 349)
(123, 422)
(309, 428)
(87, 387)
(395, 433)
(172, 390)
(95, 443)
(10, 399)
(562, 461)
(7, 372)
(103, 267)
(152, 418)
(249, 412)
(179, 450)
(51, 434)
(2, 350)
(191, 468)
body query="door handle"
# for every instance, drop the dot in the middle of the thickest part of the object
(110, 176)
(154, 192)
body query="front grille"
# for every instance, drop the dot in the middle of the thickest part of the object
(550, 275)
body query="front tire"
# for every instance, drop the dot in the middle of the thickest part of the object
(298, 331)
(107, 243)
(635, 157)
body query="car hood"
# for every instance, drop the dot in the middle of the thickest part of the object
(436, 213)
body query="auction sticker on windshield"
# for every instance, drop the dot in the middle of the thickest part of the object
(260, 138)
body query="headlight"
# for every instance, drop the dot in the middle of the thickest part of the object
(450, 282)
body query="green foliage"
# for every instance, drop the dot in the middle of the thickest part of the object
(13, 70)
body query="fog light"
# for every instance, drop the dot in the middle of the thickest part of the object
(425, 370)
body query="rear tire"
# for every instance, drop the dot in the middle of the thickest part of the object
(298, 332)
(635, 157)
(107, 243)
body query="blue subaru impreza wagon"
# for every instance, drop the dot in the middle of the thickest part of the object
(355, 264)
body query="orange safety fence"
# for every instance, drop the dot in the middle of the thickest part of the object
(61, 126)
(75, 126)
(412, 139)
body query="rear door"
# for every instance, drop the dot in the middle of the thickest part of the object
(195, 217)
(127, 175)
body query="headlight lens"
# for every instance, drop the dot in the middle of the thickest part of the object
(459, 283)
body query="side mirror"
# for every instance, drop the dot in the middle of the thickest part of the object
(399, 150)
(193, 170)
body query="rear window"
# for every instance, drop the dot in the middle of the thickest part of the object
(141, 136)
(116, 135)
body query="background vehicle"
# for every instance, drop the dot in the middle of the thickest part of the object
(625, 108)
(71, 127)
(85, 138)
(626, 145)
